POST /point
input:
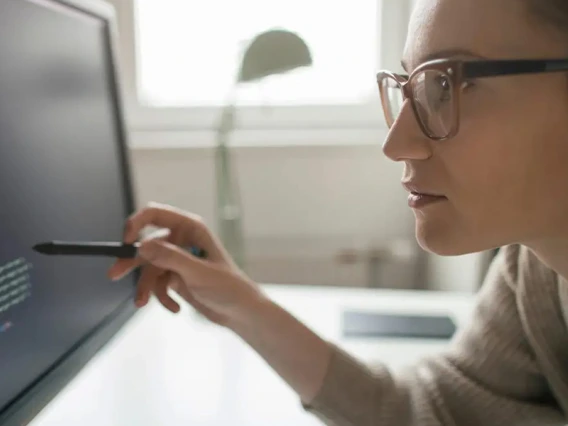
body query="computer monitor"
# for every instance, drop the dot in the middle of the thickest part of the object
(64, 175)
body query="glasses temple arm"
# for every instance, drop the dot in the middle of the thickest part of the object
(494, 68)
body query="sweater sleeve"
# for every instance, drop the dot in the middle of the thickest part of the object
(487, 376)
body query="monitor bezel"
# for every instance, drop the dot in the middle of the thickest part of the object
(28, 404)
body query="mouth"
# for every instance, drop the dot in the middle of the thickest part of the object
(419, 198)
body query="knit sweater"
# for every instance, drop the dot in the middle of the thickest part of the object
(507, 366)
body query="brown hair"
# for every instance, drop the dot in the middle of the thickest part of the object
(553, 12)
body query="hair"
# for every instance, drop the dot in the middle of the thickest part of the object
(552, 12)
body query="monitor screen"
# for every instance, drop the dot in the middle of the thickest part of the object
(63, 176)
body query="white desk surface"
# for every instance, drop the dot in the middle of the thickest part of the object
(178, 370)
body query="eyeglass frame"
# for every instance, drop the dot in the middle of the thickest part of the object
(459, 70)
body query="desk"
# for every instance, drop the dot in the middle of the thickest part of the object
(163, 369)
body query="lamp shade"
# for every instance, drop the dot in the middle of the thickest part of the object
(273, 52)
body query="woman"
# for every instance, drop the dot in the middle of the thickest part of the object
(485, 151)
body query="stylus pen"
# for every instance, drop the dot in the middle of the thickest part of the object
(103, 248)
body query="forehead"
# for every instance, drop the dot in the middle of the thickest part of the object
(489, 28)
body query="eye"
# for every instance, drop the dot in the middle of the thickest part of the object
(444, 82)
(444, 87)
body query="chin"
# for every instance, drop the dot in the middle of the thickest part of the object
(447, 240)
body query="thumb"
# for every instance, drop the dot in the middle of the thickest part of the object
(165, 255)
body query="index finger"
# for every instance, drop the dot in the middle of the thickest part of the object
(184, 226)
(154, 214)
(122, 267)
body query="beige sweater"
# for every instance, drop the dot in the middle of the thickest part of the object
(508, 366)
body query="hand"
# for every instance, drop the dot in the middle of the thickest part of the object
(214, 286)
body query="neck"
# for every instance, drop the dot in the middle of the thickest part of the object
(552, 252)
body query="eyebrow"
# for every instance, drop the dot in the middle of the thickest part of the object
(443, 54)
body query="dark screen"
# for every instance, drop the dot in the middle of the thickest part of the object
(60, 178)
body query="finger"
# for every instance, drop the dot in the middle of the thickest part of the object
(172, 258)
(123, 267)
(160, 215)
(186, 228)
(148, 280)
(161, 292)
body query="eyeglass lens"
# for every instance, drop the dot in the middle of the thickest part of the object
(433, 101)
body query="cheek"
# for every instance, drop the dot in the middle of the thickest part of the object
(485, 186)
(505, 174)
(509, 167)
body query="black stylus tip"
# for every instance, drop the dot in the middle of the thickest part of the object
(43, 248)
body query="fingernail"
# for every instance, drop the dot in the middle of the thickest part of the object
(113, 275)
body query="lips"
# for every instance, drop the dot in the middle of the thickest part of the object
(421, 190)
(420, 196)
(425, 194)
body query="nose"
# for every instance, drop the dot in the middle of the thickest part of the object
(405, 140)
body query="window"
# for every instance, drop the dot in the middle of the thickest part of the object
(178, 59)
(188, 51)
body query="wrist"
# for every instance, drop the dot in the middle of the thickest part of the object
(254, 312)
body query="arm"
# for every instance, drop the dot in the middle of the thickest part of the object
(487, 377)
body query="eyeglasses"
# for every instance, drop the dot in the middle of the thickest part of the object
(435, 87)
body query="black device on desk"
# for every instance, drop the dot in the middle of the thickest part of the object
(64, 174)
(373, 324)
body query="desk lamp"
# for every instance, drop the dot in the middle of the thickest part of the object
(272, 52)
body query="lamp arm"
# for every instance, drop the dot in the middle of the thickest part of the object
(228, 211)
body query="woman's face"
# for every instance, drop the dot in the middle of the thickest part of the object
(505, 175)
